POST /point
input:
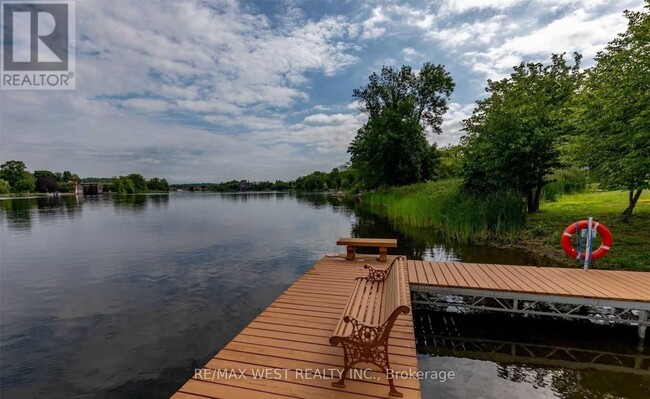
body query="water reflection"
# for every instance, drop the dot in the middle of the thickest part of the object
(536, 357)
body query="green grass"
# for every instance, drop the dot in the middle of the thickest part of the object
(443, 206)
(500, 219)
(565, 181)
(631, 249)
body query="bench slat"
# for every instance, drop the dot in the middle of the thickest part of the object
(368, 242)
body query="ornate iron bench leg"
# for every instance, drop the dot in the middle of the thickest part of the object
(346, 367)
(377, 355)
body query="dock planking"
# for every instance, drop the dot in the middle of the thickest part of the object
(614, 285)
(292, 336)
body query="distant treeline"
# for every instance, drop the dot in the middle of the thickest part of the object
(15, 178)
(342, 178)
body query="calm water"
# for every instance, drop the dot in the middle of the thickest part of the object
(123, 297)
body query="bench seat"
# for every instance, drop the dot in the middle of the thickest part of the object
(382, 243)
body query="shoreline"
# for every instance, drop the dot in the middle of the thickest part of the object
(540, 234)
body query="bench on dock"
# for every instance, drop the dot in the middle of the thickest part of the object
(382, 243)
(368, 317)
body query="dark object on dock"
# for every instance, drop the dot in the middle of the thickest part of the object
(374, 304)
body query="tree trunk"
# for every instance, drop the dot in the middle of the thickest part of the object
(633, 198)
(538, 196)
(530, 201)
(533, 198)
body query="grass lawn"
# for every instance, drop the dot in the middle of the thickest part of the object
(631, 249)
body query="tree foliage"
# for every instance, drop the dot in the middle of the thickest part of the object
(612, 112)
(46, 181)
(13, 171)
(451, 161)
(513, 135)
(392, 148)
(25, 185)
(157, 184)
(4, 187)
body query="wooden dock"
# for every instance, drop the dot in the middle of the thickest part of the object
(285, 351)
(289, 342)
(595, 284)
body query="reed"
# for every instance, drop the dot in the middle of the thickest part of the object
(443, 205)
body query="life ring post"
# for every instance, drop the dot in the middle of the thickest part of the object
(591, 228)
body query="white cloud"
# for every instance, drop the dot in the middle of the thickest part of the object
(461, 6)
(332, 119)
(371, 28)
(451, 125)
(493, 43)
(146, 104)
(411, 54)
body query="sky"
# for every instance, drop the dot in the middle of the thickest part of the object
(208, 91)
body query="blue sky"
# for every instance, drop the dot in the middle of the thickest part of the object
(200, 91)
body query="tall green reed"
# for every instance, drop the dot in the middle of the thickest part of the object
(443, 205)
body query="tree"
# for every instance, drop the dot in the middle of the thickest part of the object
(46, 181)
(139, 182)
(12, 172)
(68, 176)
(513, 135)
(613, 113)
(451, 161)
(26, 184)
(157, 184)
(4, 187)
(392, 148)
(123, 185)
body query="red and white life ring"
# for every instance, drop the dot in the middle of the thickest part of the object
(605, 235)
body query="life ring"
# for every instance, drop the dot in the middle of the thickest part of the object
(605, 235)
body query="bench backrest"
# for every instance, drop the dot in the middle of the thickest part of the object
(395, 290)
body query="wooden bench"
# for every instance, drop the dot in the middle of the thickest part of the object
(382, 243)
(374, 305)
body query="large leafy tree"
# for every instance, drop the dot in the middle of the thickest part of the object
(13, 171)
(513, 135)
(613, 112)
(402, 106)
(46, 181)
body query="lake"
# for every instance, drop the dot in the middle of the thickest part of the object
(122, 297)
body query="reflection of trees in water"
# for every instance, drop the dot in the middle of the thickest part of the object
(316, 200)
(412, 242)
(20, 212)
(568, 383)
(572, 358)
(247, 196)
(135, 202)
(159, 200)
(17, 212)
